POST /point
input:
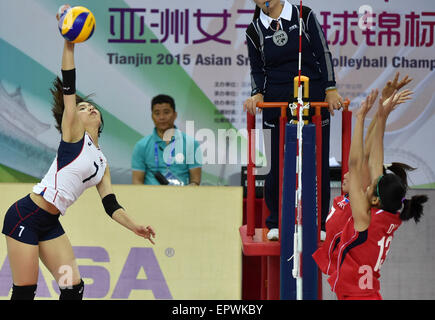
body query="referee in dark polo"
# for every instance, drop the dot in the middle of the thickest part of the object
(273, 49)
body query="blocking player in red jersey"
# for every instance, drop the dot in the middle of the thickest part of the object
(325, 256)
(366, 237)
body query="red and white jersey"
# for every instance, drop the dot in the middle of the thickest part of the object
(340, 213)
(77, 166)
(361, 254)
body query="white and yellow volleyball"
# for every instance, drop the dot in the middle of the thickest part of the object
(77, 24)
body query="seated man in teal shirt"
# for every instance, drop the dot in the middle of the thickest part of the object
(167, 152)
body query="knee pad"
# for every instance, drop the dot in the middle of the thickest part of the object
(72, 293)
(23, 292)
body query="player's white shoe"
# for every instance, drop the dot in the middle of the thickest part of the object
(273, 234)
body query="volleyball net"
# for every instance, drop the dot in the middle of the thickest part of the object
(288, 269)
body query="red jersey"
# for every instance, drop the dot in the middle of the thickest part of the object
(340, 213)
(360, 255)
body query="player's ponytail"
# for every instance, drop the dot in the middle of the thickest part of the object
(58, 106)
(413, 208)
(400, 170)
(393, 193)
(57, 102)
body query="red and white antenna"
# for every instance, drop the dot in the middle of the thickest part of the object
(297, 238)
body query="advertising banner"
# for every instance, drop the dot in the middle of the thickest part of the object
(195, 51)
(197, 254)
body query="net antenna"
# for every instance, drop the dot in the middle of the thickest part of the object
(297, 237)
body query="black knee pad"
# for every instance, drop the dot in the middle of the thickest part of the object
(23, 292)
(72, 293)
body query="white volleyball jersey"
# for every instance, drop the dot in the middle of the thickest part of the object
(77, 166)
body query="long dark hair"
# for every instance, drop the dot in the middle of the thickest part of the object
(58, 106)
(392, 188)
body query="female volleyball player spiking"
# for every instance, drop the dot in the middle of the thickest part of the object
(31, 225)
(377, 212)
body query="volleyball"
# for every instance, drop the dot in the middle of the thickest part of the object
(77, 24)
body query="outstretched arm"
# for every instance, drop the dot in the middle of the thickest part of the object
(376, 158)
(358, 201)
(367, 143)
(393, 85)
(72, 129)
(119, 214)
(387, 91)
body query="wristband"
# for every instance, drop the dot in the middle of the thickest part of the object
(110, 204)
(69, 81)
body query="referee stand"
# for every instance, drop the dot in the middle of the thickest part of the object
(276, 280)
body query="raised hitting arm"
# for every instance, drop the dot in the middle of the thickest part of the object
(72, 129)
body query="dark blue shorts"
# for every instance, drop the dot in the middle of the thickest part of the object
(28, 223)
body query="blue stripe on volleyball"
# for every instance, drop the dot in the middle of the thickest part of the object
(77, 26)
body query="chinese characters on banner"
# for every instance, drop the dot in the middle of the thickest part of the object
(127, 25)
(384, 29)
(188, 27)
